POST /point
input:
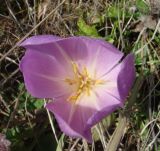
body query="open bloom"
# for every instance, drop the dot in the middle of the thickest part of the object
(85, 77)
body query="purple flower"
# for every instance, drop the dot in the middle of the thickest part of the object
(4, 143)
(85, 77)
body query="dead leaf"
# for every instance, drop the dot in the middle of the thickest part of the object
(146, 21)
(155, 7)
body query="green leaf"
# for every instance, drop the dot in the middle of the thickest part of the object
(86, 30)
(113, 12)
(142, 6)
(60, 143)
(109, 39)
(21, 86)
(138, 60)
(38, 104)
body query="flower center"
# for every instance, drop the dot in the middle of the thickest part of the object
(84, 83)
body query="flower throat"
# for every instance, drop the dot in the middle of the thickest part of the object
(84, 83)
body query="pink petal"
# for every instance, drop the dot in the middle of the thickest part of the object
(126, 76)
(38, 40)
(121, 78)
(71, 119)
(106, 104)
(86, 51)
(77, 119)
(102, 104)
(102, 56)
(64, 50)
(43, 75)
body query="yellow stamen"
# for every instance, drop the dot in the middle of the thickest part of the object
(69, 81)
(75, 68)
(83, 82)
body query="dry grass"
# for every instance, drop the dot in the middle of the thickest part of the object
(138, 131)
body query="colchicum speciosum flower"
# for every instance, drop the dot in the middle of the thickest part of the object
(85, 78)
(4, 143)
